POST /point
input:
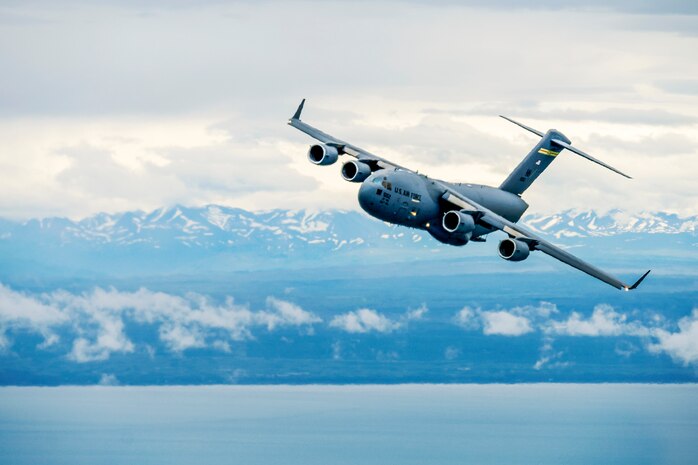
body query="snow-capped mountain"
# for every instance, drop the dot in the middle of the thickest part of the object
(212, 226)
(221, 226)
(214, 238)
(573, 223)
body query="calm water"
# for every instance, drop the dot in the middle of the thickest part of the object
(409, 424)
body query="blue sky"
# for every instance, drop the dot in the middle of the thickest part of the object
(113, 106)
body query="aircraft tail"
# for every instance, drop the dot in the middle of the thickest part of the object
(538, 159)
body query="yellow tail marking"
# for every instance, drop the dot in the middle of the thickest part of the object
(548, 152)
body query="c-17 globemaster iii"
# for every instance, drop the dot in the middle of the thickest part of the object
(455, 213)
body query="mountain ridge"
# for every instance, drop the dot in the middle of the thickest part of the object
(216, 238)
(199, 225)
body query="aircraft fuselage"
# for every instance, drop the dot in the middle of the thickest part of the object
(414, 200)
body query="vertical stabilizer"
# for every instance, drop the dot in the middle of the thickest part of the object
(535, 162)
(543, 154)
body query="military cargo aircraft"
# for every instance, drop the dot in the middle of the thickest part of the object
(455, 213)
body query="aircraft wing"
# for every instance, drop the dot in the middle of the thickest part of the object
(342, 147)
(495, 221)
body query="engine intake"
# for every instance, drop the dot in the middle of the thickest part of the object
(355, 171)
(459, 224)
(513, 250)
(321, 154)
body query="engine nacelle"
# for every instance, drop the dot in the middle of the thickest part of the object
(321, 154)
(355, 171)
(459, 224)
(438, 232)
(513, 250)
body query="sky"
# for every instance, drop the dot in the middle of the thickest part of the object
(113, 106)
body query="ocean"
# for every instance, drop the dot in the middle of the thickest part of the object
(351, 424)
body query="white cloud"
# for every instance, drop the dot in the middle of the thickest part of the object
(468, 318)
(417, 313)
(505, 324)
(336, 350)
(288, 313)
(451, 353)
(18, 310)
(364, 320)
(549, 357)
(625, 348)
(179, 337)
(183, 322)
(108, 380)
(604, 321)
(516, 321)
(163, 134)
(681, 345)
(110, 338)
(550, 361)
(223, 346)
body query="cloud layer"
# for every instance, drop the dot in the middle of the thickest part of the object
(681, 345)
(99, 316)
(191, 108)
(679, 341)
(366, 320)
(95, 324)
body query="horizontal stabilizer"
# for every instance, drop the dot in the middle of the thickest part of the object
(534, 131)
(552, 142)
(587, 156)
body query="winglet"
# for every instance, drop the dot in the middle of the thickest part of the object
(637, 283)
(297, 114)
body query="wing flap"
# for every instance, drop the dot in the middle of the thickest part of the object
(569, 259)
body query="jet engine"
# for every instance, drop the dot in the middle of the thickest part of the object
(355, 171)
(321, 154)
(455, 228)
(513, 250)
(459, 224)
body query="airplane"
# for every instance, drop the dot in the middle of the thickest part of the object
(455, 213)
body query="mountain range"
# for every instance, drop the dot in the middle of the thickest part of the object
(220, 237)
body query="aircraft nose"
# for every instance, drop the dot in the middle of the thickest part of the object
(370, 194)
(367, 195)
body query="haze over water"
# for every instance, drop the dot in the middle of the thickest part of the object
(486, 424)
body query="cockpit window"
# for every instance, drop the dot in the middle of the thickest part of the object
(377, 180)
(387, 185)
